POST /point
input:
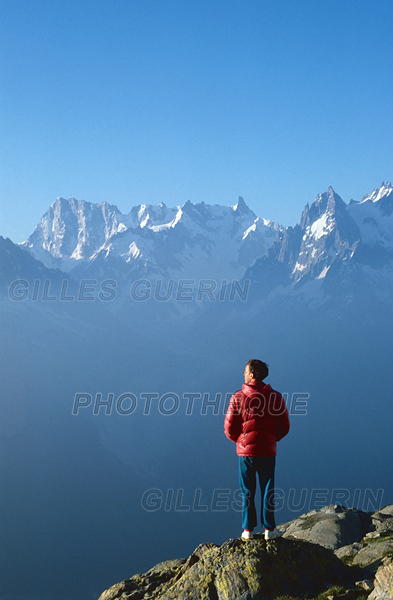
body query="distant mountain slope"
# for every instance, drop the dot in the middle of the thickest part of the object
(18, 265)
(219, 242)
(192, 240)
(336, 251)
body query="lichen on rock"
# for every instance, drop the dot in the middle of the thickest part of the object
(254, 569)
(302, 564)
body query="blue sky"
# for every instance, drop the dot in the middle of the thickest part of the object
(143, 101)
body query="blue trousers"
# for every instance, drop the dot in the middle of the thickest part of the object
(249, 466)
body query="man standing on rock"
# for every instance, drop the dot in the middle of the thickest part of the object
(256, 420)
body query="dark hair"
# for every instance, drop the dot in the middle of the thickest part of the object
(259, 369)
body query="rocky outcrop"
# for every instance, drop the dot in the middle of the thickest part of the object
(141, 586)
(383, 584)
(333, 546)
(332, 526)
(373, 552)
(368, 558)
(382, 520)
(251, 570)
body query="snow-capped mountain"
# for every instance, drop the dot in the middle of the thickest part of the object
(150, 378)
(192, 240)
(18, 267)
(337, 245)
(374, 217)
(72, 230)
(329, 234)
(326, 233)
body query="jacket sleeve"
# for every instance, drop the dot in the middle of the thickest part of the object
(233, 419)
(282, 427)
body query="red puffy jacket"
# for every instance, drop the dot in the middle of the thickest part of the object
(256, 419)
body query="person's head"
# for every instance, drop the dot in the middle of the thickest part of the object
(255, 370)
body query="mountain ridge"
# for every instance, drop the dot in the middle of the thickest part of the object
(225, 243)
(73, 234)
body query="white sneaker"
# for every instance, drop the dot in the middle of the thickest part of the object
(270, 535)
(247, 535)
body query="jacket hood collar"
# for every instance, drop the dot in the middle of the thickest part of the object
(250, 388)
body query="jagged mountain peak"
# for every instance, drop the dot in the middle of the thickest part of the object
(381, 197)
(326, 232)
(79, 207)
(198, 214)
(72, 230)
(241, 206)
(378, 193)
(196, 238)
(211, 215)
(329, 198)
(325, 213)
(328, 201)
(149, 215)
(374, 217)
(69, 202)
(210, 240)
(335, 245)
(188, 205)
(243, 211)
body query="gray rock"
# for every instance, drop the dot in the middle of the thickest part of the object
(372, 554)
(383, 584)
(368, 554)
(301, 563)
(331, 527)
(347, 595)
(365, 584)
(247, 570)
(141, 585)
(372, 535)
(348, 551)
(385, 510)
(382, 520)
